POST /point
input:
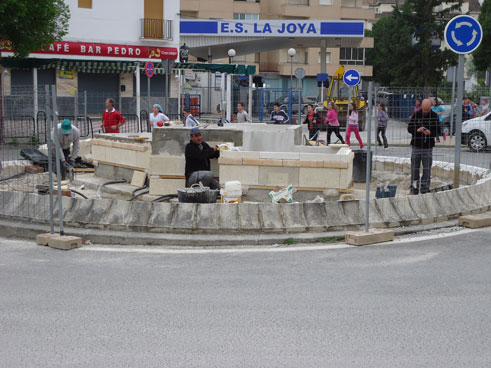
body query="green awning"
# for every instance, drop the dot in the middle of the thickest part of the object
(103, 66)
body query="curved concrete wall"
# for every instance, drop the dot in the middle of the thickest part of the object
(250, 217)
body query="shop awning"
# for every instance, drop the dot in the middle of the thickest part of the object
(96, 66)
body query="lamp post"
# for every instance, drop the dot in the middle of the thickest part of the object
(231, 54)
(291, 53)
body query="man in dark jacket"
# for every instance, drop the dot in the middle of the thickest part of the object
(198, 155)
(423, 127)
(313, 121)
(278, 116)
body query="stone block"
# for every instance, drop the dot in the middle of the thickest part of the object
(167, 165)
(475, 221)
(315, 216)
(230, 161)
(249, 217)
(271, 217)
(293, 217)
(139, 214)
(345, 178)
(388, 212)
(318, 164)
(43, 239)
(99, 211)
(207, 217)
(451, 203)
(291, 163)
(419, 206)
(138, 179)
(336, 220)
(162, 215)
(252, 161)
(278, 176)
(438, 212)
(335, 164)
(373, 236)
(228, 216)
(379, 166)
(185, 216)
(247, 175)
(214, 167)
(279, 155)
(403, 207)
(142, 159)
(159, 187)
(271, 162)
(315, 157)
(352, 212)
(81, 211)
(319, 178)
(117, 213)
(65, 242)
(376, 219)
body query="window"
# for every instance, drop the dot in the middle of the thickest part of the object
(325, 2)
(328, 58)
(351, 56)
(246, 16)
(87, 4)
(301, 57)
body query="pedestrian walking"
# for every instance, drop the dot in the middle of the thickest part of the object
(278, 116)
(313, 121)
(242, 115)
(423, 127)
(157, 117)
(112, 118)
(191, 121)
(467, 110)
(332, 122)
(382, 121)
(484, 107)
(439, 110)
(416, 107)
(353, 125)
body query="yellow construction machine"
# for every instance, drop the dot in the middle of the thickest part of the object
(338, 92)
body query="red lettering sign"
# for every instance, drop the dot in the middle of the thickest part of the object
(103, 49)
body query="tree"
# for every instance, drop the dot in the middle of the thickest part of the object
(482, 56)
(32, 25)
(403, 44)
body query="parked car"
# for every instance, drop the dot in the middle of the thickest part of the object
(284, 100)
(477, 132)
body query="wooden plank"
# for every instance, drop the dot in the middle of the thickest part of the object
(80, 169)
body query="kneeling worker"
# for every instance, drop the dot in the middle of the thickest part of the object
(67, 135)
(198, 155)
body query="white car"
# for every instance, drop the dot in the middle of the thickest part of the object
(477, 132)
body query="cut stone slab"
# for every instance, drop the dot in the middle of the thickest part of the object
(64, 242)
(373, 236)
(43, 239)
(475, 221)
(138, 179)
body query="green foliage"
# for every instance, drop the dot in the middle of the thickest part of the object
(396, 61)
(32, 25)
(34, 141)
(482, 56)
(289, 241)
(14, 142)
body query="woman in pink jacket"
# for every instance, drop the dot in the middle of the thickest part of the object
(353, 125)
(332, 122)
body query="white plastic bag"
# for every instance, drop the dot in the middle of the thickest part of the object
(283, 195)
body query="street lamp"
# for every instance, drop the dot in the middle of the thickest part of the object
(231, 54)
(291, 53)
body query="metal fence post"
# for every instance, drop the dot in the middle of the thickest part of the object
(57, 155)
(290, 105)
(85, 110)
(50, 164)
(452, 106)
(300, 104)
(458, 126)
(369, 152)
(261, 104)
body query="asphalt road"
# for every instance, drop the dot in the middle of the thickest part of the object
(418, 303)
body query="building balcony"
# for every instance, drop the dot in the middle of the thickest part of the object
(156, 29)
(296, 8)
(350, 13)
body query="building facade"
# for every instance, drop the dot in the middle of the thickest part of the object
(275, 65)
(106, 42)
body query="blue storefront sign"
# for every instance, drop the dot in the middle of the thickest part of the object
(272, 28)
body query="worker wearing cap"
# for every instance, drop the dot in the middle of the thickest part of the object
(198, 155)
(67, 135)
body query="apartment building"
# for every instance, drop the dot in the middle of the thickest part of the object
(106, 40)
(274, 64)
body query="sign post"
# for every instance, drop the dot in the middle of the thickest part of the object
(351, 78)
(300, 74)
(463, 35)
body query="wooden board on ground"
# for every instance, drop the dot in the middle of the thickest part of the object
(83, 169)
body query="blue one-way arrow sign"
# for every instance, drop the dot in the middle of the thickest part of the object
(351, 77)
(463, 34)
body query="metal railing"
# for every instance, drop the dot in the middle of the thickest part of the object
(156, 29)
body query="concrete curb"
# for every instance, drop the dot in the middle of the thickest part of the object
(16, 229)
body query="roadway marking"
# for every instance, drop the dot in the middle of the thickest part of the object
(265, 249)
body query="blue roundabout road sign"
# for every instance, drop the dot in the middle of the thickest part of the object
(463, 34)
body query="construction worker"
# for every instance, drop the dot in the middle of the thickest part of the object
(67, 135)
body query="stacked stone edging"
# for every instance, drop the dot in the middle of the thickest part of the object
(252, 218)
